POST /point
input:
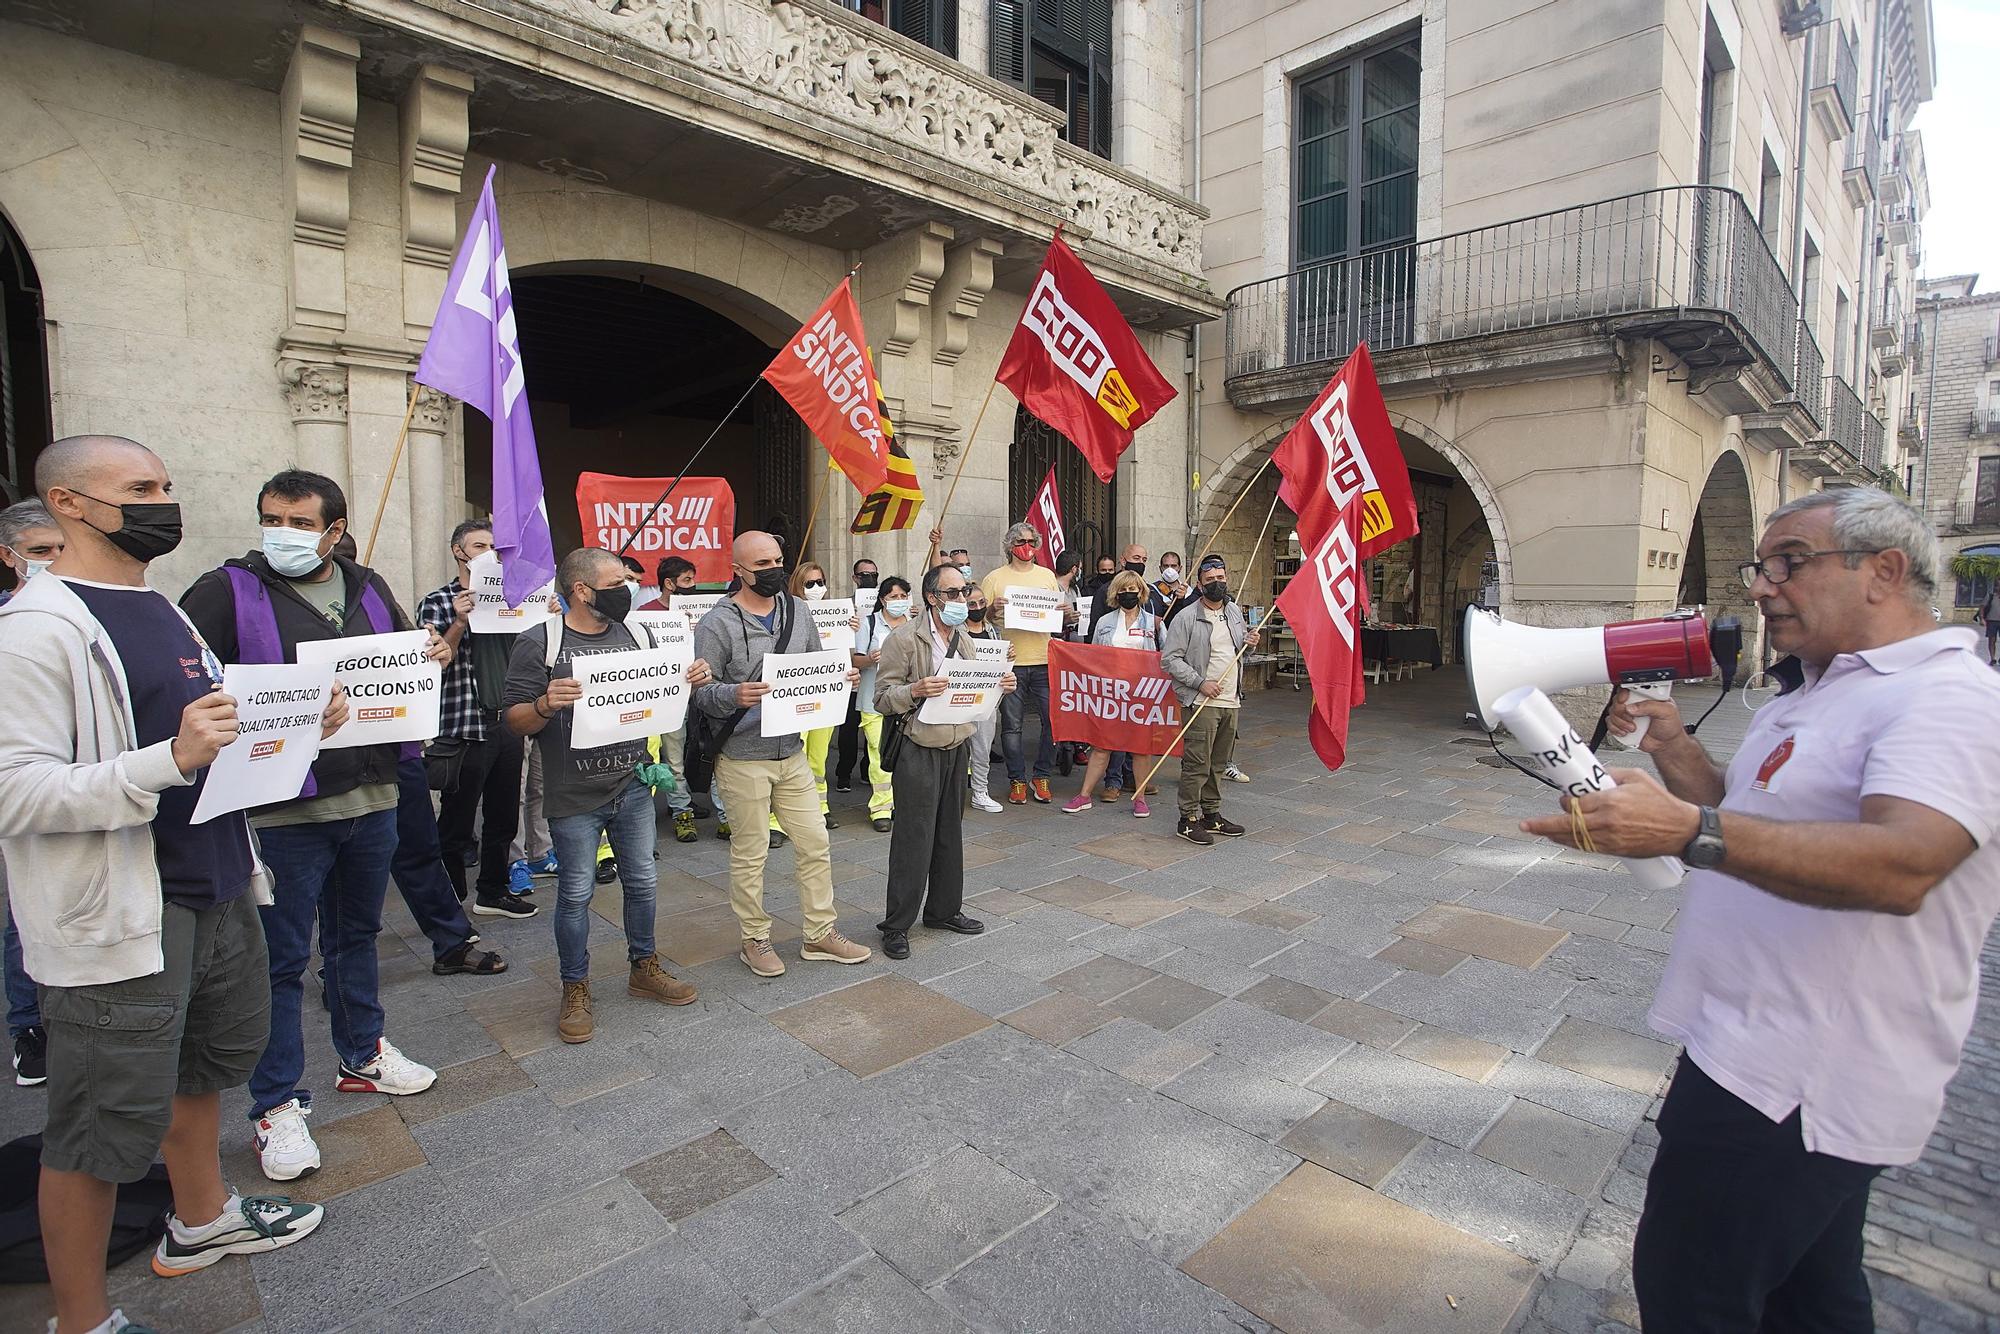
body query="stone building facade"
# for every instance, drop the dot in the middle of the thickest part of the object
(1627, 271)
(226, 235)
(1956, 473)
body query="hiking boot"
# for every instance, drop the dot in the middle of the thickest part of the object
(653, 982)
(1017, 794)
(388, 1072)
(1040, 789)
(285, 1148)
(247, 1225)
(760, 958)
(835, 948)
(573, 1022)
(1194, 831)
(1215, 824)
(684, 827)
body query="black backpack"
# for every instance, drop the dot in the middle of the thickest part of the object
(138, 1222)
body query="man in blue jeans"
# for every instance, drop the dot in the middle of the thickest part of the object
(329, 848)
(1031, 667)
(594, 793)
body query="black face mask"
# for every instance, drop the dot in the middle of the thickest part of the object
(975, 614)
(1216, 591)
(149, 531)
(769, 583)
(1128, 599)
(613, 604)
(1136, 566)
(866, 580)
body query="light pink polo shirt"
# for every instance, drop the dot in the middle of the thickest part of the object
(1855, 1017)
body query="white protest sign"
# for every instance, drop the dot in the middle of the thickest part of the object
(808, 691)
(392, 688)
(278, 708)
(864, 601)
(973, 694)
(490, 613)
(832, 617)
(696, 605)
(1037, 609)
(627, 696)
(671, 628)
(992, 650)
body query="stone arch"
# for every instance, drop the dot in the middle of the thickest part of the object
(1242, 466)
(1722, 533)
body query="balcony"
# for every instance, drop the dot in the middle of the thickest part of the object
(1789, 423)
(1985, 420)
(1900, 226)
(1864, 162)
(1685, 267)
(1841, 445)
(1886, 334)
(1975, 516)
(1910, 427)
(1992, 349)
(1836, 80)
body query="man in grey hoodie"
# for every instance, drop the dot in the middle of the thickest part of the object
(141, 925)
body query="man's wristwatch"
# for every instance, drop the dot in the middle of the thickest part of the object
(1705, 848)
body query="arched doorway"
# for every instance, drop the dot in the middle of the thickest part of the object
(1721, 536)
(628, 373)
(1458, 557)
(26, 426)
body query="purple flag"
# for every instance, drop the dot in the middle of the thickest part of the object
(474, 354)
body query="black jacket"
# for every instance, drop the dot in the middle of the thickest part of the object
(211, 605)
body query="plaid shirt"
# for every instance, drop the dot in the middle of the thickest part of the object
(459, 714)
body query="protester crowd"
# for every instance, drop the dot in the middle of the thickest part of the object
(184, 972)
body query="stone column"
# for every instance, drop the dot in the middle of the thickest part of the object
(319, 106)
(431, 519)
(316, 392)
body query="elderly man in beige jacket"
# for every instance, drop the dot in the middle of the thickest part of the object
(925, 849)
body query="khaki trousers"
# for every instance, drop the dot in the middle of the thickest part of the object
(780, 792)
(1210, 745)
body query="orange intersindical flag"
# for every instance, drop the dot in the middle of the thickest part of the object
(827, 376)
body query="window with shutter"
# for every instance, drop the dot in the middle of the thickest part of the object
(1007, 41)
(932, 22)
(1060, 51)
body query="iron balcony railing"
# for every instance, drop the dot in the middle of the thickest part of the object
(1864, 152)
(1683, 248)
(1809, 376)
(1835, 67)
(1846, 419)
(1874, 438)
(1977, 515)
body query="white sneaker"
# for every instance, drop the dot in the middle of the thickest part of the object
(1235, 775)
(389, 1072)
(982, 802)
(285, 1148)
(244, 1227)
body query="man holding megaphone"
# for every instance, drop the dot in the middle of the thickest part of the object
(1825, 965)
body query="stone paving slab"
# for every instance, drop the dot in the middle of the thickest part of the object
(1479, 1095)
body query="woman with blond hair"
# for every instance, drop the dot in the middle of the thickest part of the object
(1127, 624)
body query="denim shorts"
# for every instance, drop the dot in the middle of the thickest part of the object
(119, 1052)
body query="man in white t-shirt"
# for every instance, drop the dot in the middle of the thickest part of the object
(1825, 965)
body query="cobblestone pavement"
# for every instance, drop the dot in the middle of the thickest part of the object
(1379, 1065)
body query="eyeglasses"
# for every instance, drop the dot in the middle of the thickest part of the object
(1778, 569)
(954, 594)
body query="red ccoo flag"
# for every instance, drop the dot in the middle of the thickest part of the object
(1345, 479)
(1045, 517)
(827, 376)
(1075, 363)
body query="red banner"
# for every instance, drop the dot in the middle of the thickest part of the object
(1345, 479)
(1075, 363)
(827, 376)
(1045, 517)
(1116, 698)
(697, 522)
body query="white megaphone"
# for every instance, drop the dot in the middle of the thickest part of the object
(1646, 657)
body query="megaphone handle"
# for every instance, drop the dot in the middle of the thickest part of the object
(1648, 690)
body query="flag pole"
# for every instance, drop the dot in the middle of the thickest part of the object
(825, 485)
(639, 527)
(1231, 511)
(1160, 760)
(395, 459)
(963, 453)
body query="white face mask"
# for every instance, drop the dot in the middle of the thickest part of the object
(897, 607)
(1170, 573)
(30, 568)
(965, 570)
(293, 552)
(815, 592)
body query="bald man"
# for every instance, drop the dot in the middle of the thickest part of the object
(141, 926)
(758, 776)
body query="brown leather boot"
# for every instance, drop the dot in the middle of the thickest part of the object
(653, 982)
(574, 1023)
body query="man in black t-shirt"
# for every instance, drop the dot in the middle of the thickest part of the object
(590, 794)
(141, 926)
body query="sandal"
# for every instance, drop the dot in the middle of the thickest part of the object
(464, 960)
